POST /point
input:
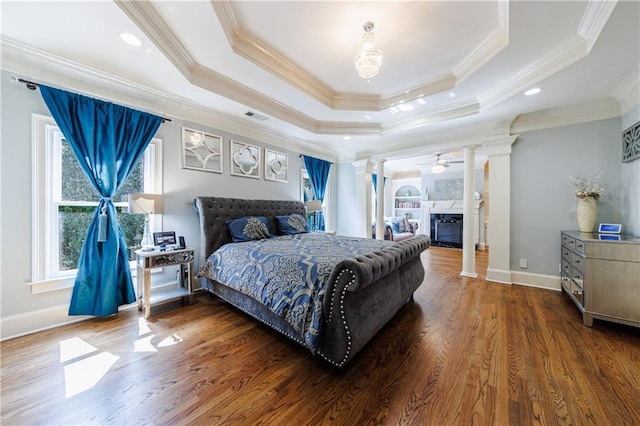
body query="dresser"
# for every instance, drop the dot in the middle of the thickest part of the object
(601, 275)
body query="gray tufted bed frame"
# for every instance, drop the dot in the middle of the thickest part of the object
(364, 292)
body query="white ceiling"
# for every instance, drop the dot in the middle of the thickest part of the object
(462, 66)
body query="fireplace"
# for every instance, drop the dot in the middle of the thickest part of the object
(446, 230)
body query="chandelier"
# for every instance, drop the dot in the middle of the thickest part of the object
(368, 60)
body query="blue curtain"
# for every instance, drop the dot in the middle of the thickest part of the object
(374, 178)
(318, 174)
(108, 140)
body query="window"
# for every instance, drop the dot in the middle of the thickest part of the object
(64, 203)
(306, 194)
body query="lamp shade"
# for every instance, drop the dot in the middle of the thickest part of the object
(314, 206)
(146, 203)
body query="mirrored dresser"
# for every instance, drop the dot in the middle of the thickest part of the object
(601, 275)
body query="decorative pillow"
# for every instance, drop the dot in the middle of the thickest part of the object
(407, 224)
(248, 228)
(292, 224)
(399, 225)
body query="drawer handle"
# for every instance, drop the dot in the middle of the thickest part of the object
(576, 261)
(579, 245)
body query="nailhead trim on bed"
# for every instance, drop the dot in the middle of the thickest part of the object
(342, 317)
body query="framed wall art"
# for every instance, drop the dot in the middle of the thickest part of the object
(201, 151)
(631, 143)
(276, 166)
(245, 160)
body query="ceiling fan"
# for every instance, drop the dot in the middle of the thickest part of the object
(439, 165)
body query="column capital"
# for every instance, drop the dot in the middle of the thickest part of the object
(364, 165)
(500, 144)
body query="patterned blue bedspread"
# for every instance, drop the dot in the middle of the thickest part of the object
(288, 274)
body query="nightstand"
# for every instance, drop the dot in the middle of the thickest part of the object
(148, 260)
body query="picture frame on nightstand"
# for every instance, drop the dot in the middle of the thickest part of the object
(609, 228)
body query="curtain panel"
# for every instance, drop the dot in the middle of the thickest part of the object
(108, 140)
(319, 175)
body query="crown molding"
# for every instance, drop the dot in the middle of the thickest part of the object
(497, 41)
(494, 44)
(248, 46)
(564, 116)
(344, 128)
(627, 93)
(573, 49)
(435, 115)
(441, 83)
(268, 58)
(562, 56)
(42, 67)
(594, 19)
(145, 16)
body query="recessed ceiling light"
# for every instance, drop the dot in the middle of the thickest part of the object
(533, 91)
(131, 40)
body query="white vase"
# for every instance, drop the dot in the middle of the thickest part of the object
(587, 214)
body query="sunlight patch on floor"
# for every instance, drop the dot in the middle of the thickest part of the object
(83, 370)
(174, 339)
(85, 374)
(144, 345)
(143, 327)
(74, 348)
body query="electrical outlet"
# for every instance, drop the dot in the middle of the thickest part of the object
(524, 263)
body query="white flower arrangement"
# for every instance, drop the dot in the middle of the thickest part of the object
(586, 188)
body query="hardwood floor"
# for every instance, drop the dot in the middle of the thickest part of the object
(463, 352)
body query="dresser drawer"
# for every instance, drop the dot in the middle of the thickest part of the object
(579, 245)
(568, 241)
(566, 253)
(577, 261)
(577, 292)
(566, 267)
(577, 277)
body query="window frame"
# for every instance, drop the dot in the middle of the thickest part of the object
(46, 140)
(326, 204)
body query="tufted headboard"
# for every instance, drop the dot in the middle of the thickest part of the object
(215, 211)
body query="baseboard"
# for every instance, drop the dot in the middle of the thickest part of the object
(548, 282)
(44, 319)
(499, 276)
(34, 321)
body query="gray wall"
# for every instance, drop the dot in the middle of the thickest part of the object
(180, 186)
(631, 182)
(542, 200)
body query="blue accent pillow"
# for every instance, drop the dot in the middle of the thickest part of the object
(248, 228)
(395, 225)
(292, 224)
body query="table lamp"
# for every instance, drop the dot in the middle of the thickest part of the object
(146, 204)
(314, 206)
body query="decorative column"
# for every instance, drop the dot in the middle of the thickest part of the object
(499, 153)
(364, 187)
(468, 211)
(380, 200)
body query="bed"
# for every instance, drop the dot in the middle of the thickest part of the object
(329, 293)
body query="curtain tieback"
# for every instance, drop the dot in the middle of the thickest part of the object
(103, 220)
